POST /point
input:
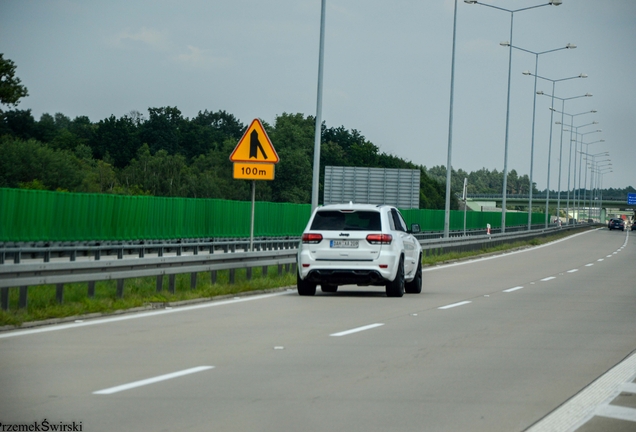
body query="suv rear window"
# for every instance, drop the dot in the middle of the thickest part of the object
(353, 221)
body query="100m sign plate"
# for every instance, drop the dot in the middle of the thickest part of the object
(253, 171)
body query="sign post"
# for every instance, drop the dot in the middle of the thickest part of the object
(254, 158)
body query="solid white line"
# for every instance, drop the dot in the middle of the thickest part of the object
(573, 271)
(629, 388)
(548, 279)
(617, 412)
(504, 254)
(135, 316)
(152, 380)
(356, 330)
(454, 305)
(583, 406)
(513, 289)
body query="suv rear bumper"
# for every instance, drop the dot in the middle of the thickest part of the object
(346, 277)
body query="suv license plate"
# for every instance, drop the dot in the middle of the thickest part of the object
(344, 243)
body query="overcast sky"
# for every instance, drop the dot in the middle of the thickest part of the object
(386, 73)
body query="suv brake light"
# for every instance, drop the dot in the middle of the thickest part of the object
(312, 238)
(380, 238)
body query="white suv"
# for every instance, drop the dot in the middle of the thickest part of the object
(362, 244)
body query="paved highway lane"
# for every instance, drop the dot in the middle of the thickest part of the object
(491, 345)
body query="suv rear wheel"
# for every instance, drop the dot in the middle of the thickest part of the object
(395, 288)
(415, 286)
(305, 288)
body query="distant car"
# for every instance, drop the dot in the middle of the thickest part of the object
(360, 244)
(616, 224)
(633, 225)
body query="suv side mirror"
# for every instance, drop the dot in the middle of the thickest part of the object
(415, 228)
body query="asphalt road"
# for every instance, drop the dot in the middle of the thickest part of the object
(490, 345)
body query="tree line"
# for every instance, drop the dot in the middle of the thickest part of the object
(164, 153)
(167, 154)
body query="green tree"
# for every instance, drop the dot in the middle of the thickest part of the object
(11, 91)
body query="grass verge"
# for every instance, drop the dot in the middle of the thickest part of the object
(141, 292)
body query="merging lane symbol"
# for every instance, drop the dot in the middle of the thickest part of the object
(255, 146)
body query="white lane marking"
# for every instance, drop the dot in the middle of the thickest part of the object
(581, 407)
(573, 271)
(152, 380)
(478, 260)
(548, 279)
(629, 387)
(589, 265)
(616, 412)
(135, 315)
(454, 305)
(513, 289)
(357, 329)
(608, 256)
(600, 259)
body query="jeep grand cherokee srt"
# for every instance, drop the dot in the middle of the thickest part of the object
(361, 244)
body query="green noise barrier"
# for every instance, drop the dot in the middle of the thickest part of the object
(44, 216)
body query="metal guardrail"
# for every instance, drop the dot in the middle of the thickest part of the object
(281, 252)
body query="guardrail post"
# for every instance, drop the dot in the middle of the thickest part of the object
(264, 271)
(231, 276)
(59, 293)
(120, 288)
(171, 283)
(98, 254)
(280, 269)
(213, 277)
(248, 273)
(193, 281)
(4, 298)
(23, 297)
(91, 289)
(287, 267)
(159, 283)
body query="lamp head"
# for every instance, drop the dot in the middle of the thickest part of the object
(504, 43)
(553, 2)
(540, 92)
(582, 75)
(588, 95)
(526, 72)
(470, 1)
(570, 46)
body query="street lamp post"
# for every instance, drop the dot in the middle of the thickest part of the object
(581, 164)
(505, 169)
(450, 133)
(547, 195)
(570, 160)
(567, 212)
(561, 147)
(594, 166)
(318, 129)
(534, 111)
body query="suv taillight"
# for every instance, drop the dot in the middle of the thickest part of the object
(312, 238)
(379, 238)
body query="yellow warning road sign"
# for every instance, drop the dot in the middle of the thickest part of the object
(253, 171)
(255, 146)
